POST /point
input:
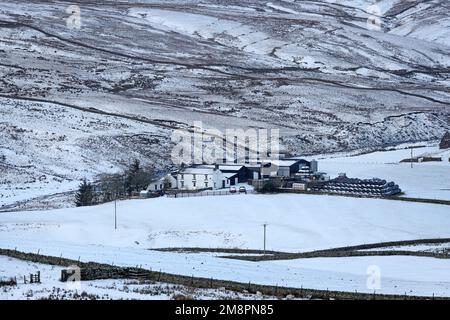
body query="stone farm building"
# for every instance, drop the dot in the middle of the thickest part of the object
(445, 142)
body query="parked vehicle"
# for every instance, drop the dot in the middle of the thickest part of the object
(232, 189)
(242, 189)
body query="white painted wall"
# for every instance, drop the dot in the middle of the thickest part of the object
(159, 184)
(194, 181)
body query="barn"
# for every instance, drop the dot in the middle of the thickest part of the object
(236, 173)
(445, 142)
(283, 168)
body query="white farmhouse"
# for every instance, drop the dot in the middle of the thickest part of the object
(201, 178)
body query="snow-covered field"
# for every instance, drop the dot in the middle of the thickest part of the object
(424, 180)
(116, 89)
(51, 288)
(398, 274)
(295, 223)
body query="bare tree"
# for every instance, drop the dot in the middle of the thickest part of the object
(138, 177)
(112, 186)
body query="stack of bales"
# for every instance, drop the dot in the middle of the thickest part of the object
(360, 187)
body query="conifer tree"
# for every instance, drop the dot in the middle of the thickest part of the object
(84, 196)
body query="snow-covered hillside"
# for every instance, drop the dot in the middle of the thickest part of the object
(47, 149)
(311, 68)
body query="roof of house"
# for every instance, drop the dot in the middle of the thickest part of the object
(250, 166)
(285, 163)
(226, 167)
(161, 178)
(229, 175)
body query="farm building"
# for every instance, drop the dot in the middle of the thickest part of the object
(286, 167)
(445, 142)
(236, 173)
(221, 176)
(199, 178)
(168, 181)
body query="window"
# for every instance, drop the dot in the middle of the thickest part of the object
(182, 184)
(206, 177)
(156, 187)
(182, 177)
(193, 183)
(193, 176)
(206, 184)
(161, 186)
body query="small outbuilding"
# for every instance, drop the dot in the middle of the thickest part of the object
(166, 182)
(445, 142)
(235, 173)
(284, 167)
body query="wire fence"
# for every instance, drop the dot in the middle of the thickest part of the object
(208, 193)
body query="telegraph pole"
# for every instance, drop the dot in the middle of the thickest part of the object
(115, 204)
(411, 157)
(265, 227)
(116, 182)
(115, 212)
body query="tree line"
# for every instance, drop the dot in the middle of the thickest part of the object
(113, 186)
